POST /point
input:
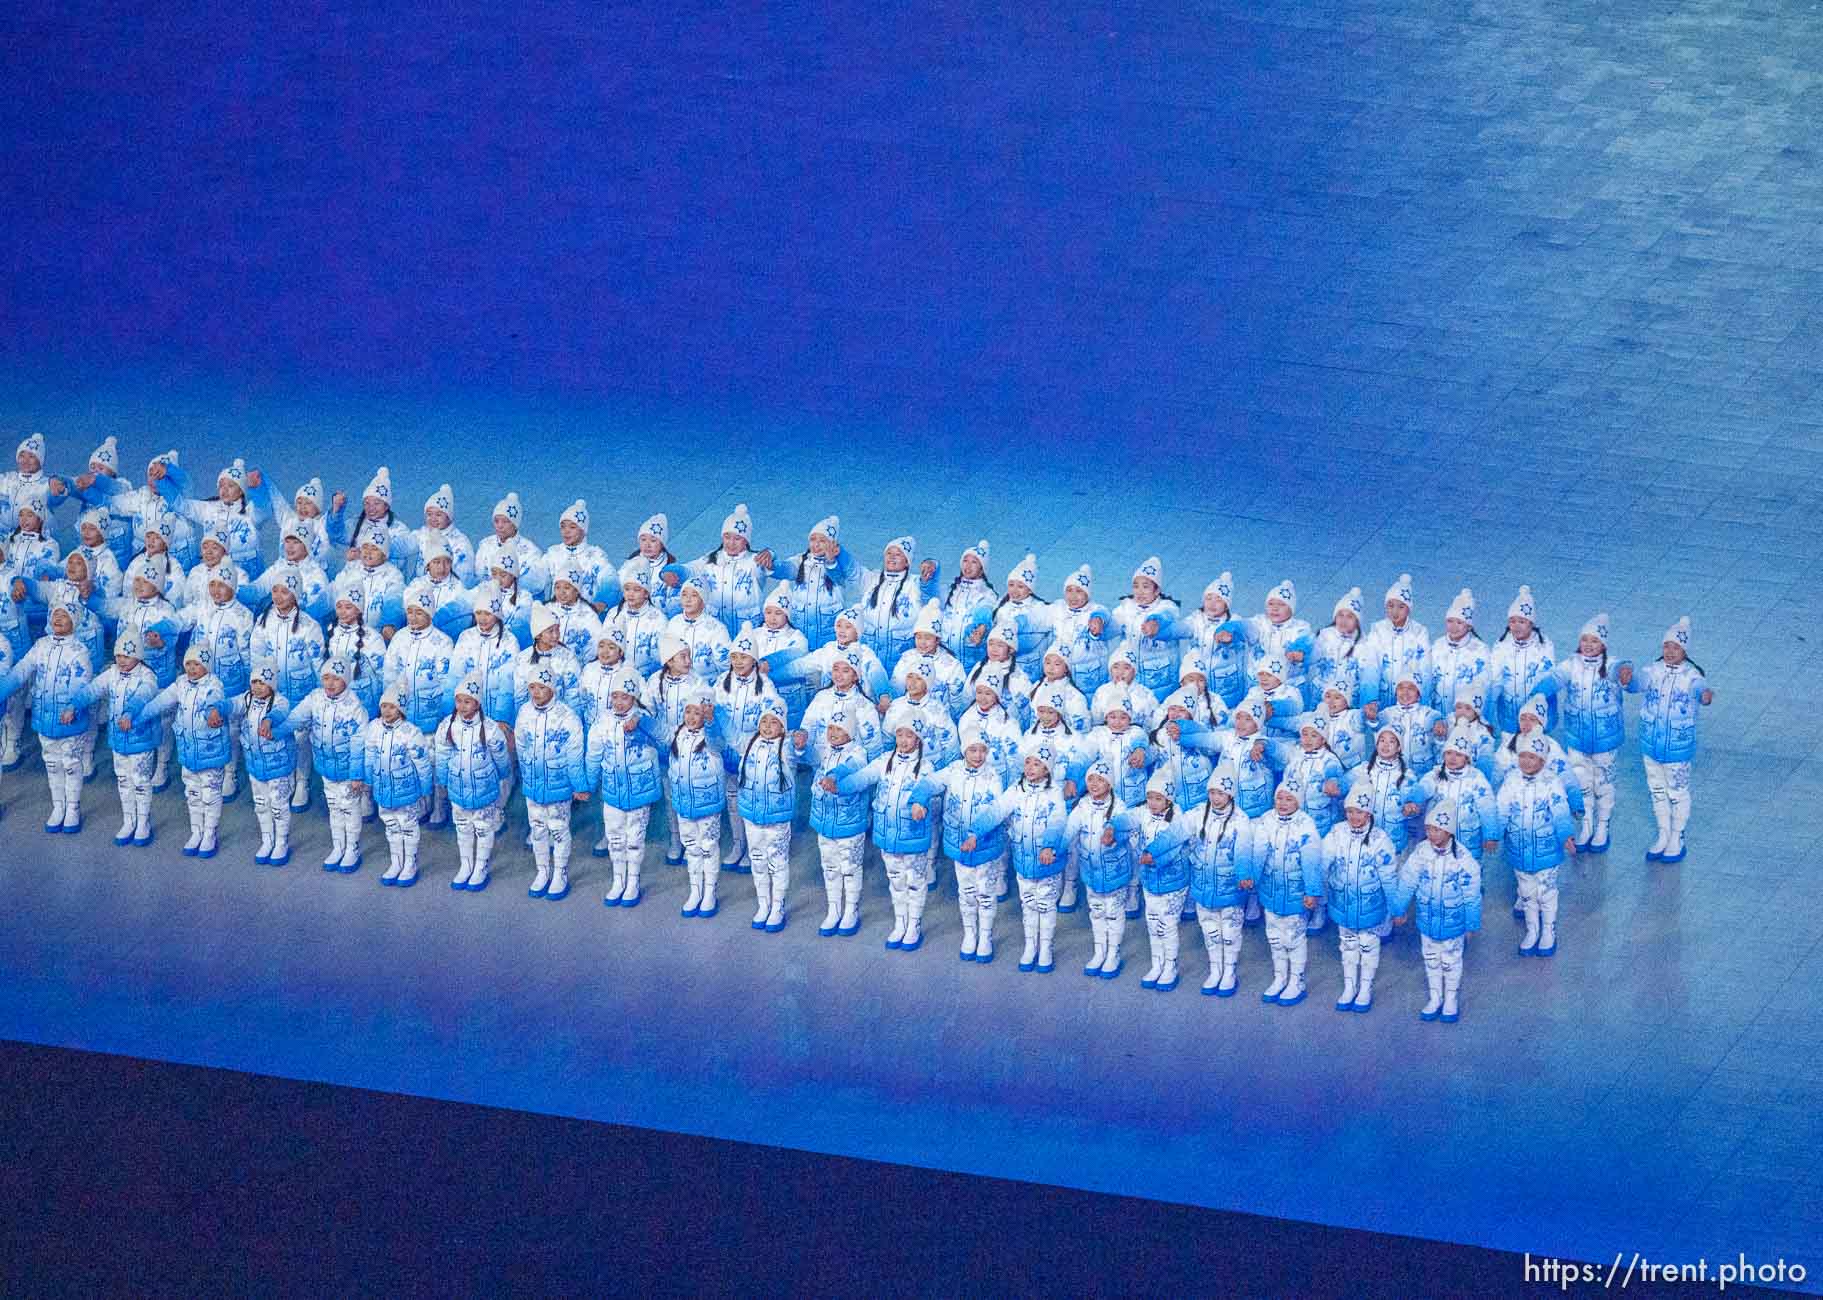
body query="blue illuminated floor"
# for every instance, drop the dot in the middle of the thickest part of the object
(1489, 294)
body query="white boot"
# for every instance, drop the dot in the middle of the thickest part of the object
(1167, 978)
(351, 836)
(1028, 956)
(851, 905)
(465, 853)
(914, 918)
(1604, 813)
(409, 873)
(631, 896)
(1047, 932)
(1680, 817)
(142, 818)
(1098, 926)
(395, 857)
(1547, 922)
(1117, 930)
(1281, 975)
(1351, 969)
(1661, 814)
(1294, 981)
(1154, 941)
(1433, 976)
(694, 900)
(762, 898)
(989, 909)
(971, 934)
(560, 881)
(711, 871)
(617, 884)
(1585, 833)
(1231, 954)
(1528, 902)
(832, 889)
(896, 935)
(1370, 963)
(775, 910)
(1212, 944)
(1452, 980)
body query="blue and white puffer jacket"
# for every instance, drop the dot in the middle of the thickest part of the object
(1477, 819)
(736, 587)
(1594, 715)
(1457, 668)
(1668, 712)
(549, 741)
(1535, 820)
(971, 798)
(418, 663)
(1288, 860)
(226, 632)
(766, 773)
(489, 659)
(889, 604)
(1446, 885)
(1392, 784)
(1224, 662)
(1360, 875)
(1105, 868)
(694, 773)
(1308, 772)
(899, 783)
(623, 766)
(473, 763)
(1036, 819)
(267, 760)
(159, 616)
(398, 763)
(294, 647)
(202, 746)
(843, 814)
(1222, 855)
(739, 702)
(1391, 653)
(1416, 727)
(1166, 841)
(1116, 749)
(126, 696)
(59, 670)
(1515, 674)
(1156, 656)
(1085, 652)
(336, 725)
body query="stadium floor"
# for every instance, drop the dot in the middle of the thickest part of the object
(1490, 294)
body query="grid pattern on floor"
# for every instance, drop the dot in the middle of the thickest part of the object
(1486, 293)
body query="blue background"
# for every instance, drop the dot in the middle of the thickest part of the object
(1486, 293)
